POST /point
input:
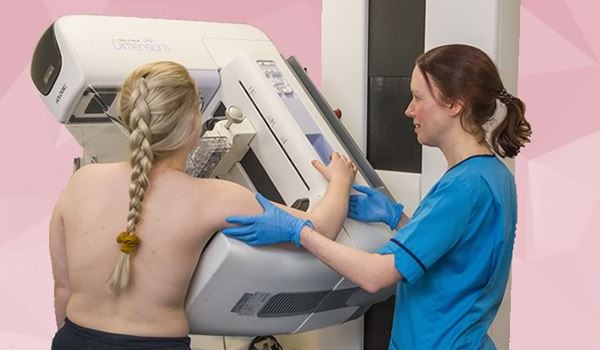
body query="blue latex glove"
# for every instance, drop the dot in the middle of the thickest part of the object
(374, 207)
(273, 226)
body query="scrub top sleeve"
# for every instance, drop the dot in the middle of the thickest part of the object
(439, 223)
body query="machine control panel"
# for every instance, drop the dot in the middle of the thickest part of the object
(276, 78)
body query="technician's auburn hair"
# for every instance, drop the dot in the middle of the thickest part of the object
(466, 73)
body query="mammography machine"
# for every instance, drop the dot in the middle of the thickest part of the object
(266, 123)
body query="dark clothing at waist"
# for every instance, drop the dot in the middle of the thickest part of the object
(74, 337)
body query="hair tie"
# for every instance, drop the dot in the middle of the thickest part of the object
(505, 96)
(128, 242)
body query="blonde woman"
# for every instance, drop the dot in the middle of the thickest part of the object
(125, 237)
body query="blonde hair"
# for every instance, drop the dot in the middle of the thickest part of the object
(159, 104)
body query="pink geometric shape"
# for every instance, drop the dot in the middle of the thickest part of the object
(585, 15)
(59, 8)
(524, 240)
(23, 341)
(587, 263)
(557, 14)
(304, 30)
(544, 50)
(578, 161)
(231, 11)
(558, 107)
(27, 293)
(27, 142)
(546, 310)
(551, 192)
(21, 25)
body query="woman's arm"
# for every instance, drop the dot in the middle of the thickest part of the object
(370, 271)
(58, 256)
(329, 215)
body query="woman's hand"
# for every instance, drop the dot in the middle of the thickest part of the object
(341, 168)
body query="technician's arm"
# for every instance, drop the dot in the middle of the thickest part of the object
(329, 215)
(402, 222)
(370, 271)
(58, 255)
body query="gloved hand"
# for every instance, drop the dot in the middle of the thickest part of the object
(374, 207)
(273, 226)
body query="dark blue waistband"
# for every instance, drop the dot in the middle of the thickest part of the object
(120, 339)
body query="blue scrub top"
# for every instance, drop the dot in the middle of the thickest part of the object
(454, 255)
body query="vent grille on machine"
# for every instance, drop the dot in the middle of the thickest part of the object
(288, 304)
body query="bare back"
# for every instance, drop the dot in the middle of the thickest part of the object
(180, 213)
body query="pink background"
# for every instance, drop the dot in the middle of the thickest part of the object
(556, 288)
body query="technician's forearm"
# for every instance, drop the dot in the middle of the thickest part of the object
(403, 220)
(371, 272)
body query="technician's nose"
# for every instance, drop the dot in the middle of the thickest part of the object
(410, 110)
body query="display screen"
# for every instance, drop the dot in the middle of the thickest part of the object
(321, 146)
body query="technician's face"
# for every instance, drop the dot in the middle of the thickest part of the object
(429, 118)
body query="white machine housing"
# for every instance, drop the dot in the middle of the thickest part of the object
(237, 289)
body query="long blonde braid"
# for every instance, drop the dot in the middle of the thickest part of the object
(141, 165)
(159, 105)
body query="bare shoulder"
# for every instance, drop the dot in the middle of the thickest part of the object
(94, 179)
(92, 172)
(228, 194)
(226, 198)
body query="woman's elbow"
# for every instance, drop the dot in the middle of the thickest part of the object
(327, 230)
(332, 234)
(327, 226)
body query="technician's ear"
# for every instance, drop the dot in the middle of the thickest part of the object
(455, 108)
